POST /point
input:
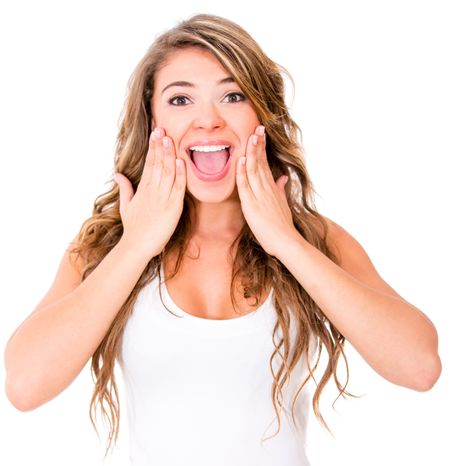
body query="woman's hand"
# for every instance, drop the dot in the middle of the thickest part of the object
(150, 215)
(263, 201)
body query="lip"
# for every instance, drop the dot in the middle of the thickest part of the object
(210, 142)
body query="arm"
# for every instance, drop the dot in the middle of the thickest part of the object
(394, 337)
(51, 347)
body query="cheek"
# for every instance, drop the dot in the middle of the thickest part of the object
(172, 129)
(250, 123)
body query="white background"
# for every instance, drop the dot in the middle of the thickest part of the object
(372, 99)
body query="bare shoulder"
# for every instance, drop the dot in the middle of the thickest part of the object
(354, 259)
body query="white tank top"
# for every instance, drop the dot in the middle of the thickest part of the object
(198, 390)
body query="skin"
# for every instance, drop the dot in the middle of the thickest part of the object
(393, 336)
(370, 314)
(207, 110)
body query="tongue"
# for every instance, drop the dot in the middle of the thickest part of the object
(210, 162)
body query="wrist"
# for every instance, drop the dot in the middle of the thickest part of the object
(135, 250)
(291, 240)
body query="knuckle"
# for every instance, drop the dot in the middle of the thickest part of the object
(148, 164)
(169, 169)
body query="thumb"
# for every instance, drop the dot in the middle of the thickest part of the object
(281, 183)
(126, 192)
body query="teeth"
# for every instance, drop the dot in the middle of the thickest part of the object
(208, 148)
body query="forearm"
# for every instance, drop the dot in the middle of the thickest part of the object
(395, 338)
(53, 345)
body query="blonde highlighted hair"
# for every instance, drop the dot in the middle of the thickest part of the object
(261, 80)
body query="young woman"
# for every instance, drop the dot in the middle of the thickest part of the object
(212, 197)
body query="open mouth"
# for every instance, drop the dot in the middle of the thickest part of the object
(190, 151)
(210, 162)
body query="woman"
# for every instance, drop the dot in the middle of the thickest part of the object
(255, 280)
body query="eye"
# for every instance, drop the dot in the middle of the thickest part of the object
(235, 97)
(239, 94)
(173, 99)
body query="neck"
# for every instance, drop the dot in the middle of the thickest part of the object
(218, 220)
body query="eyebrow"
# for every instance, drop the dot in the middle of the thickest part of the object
(228, 79)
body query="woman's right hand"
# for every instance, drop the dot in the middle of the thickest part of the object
(150, 215)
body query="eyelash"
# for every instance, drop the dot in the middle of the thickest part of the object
(170, 101)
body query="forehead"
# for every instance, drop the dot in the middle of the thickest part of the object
(189, 64)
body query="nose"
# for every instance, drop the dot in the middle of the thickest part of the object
(208, 117)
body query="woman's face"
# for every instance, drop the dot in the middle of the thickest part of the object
(197, 106)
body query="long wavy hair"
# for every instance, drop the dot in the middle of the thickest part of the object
(261, 80)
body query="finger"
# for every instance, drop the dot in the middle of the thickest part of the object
(158, 165)
(153, 166)
(253, 165)
(244, 189)
(281, 183)
(147, 171)
(168, 166)
(261, 149)
(261, 155)
(173, 177)
(179, 187)
(126, 192)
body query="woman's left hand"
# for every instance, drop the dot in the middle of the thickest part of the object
(263, 201)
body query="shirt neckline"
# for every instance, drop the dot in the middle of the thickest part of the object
(248, 319)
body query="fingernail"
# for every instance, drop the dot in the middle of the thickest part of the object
(261, 130)
(157, 133)
(254, 139)
(166, 142)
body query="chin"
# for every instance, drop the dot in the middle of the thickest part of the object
(213, 195)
